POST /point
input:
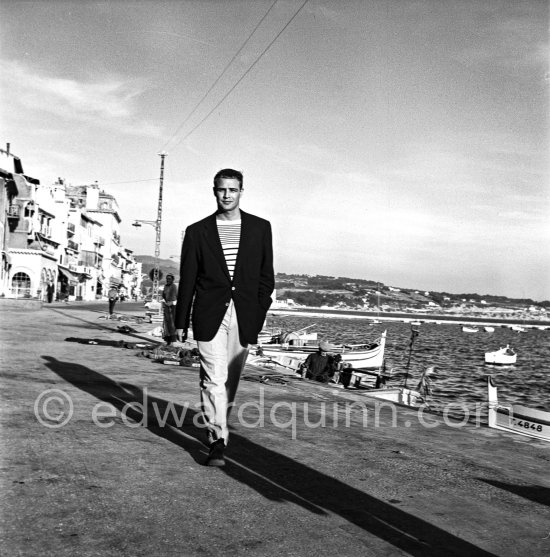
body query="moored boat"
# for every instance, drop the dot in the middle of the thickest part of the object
(489, 329)
(518, 328)
(358, 356)
(466, 329)
(502, 356)
(517, 418)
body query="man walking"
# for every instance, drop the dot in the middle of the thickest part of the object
(113, 297)
(227, 267)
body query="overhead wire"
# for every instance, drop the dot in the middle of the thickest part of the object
(216, 81)
(243, 76)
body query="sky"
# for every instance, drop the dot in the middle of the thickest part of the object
(404, 142)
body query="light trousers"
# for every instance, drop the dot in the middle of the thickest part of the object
(222, 361)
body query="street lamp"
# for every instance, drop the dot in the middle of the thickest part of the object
(157, 225)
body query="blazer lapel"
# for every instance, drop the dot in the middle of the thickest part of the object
(213, 240)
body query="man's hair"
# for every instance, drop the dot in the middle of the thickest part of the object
(230, 174)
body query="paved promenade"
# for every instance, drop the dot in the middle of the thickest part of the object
(123, 476)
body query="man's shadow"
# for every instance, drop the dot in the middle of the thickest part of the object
(273, 475)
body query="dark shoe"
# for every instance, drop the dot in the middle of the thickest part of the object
(215, 456)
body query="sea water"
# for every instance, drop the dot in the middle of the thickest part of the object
(460, 383)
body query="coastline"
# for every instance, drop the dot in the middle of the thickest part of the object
(408, 317)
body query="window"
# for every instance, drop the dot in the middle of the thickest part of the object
(21, 285)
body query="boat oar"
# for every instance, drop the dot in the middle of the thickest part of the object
(270, 361)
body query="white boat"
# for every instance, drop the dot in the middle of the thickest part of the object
(416, 323)
(466, 329)
(359, 356)
(517, 418)
(489, 329)
(518, 328)
(503, 356)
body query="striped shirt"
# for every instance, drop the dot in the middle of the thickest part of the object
(230, 236)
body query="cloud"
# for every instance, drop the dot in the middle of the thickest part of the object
(110, 103)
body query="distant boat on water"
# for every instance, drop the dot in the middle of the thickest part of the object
(489, 329)
(466, 329)
(503, 356)
(518, 328)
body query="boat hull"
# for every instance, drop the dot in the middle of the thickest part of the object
(516, 418)
(397, 395)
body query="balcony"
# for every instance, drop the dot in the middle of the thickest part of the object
(14, 211)
(99, 240)
(85, 269)
(70, 229)
(46, 231)
(71, 244)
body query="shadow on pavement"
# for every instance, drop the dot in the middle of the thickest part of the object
(536, 493)
(273, 475)
(104, 327)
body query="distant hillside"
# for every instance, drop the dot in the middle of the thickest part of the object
(319, 289)
(166, 265)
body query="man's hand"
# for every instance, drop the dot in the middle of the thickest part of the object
(181, 335)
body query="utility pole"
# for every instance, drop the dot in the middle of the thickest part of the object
(158, 225)
(156, 271)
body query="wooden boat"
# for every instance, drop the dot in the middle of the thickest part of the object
(504, 356)
(517, 418)
(466, 329)
(358, 356)
(489, 329)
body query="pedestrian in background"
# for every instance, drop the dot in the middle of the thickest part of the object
(50, 289)
(227, 268)
(113, 297)
(169, 299)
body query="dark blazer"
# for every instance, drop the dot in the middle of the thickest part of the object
(205, 279)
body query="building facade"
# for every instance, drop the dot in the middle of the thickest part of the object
(60, 242)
